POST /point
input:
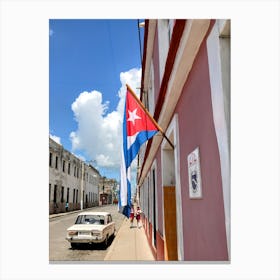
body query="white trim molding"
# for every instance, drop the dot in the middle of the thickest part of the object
(173, 133)
(218, 95)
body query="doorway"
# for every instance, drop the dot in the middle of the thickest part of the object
(169, 201)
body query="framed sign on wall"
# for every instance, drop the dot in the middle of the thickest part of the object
(195, 186)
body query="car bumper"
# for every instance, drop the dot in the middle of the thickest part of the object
(91, 239)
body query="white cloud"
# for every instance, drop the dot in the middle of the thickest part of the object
(55, 138)
(99, 132)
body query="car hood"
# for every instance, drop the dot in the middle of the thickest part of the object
(86, 227)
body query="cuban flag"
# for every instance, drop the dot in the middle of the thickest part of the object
(138, 127)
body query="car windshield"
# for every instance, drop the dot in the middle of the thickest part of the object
(90, 219)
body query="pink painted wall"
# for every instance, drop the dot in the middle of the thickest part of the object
(160, 248)
(203, 220)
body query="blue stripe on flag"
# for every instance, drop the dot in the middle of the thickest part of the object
(141, 138)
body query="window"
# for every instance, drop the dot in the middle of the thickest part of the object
(67, 198)
(145, 100)
(50, 189)
(163, 44)
(62, 195)
(109, 219)
(90, 219)
(151, 91)
(170, 28)
(148, 200)
(77, 196)
(154, 207)
(54, 193)
(224, 42)
(69, 168)
(74, 191)
(50, 162)
(74, 171)
(91, 180)
(56, 162)
(63, 166)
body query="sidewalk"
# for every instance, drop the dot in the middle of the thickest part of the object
(130, 244)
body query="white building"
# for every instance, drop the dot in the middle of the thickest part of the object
(66, 183)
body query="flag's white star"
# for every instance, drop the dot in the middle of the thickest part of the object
(133, 116)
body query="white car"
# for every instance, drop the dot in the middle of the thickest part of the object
(91, 227)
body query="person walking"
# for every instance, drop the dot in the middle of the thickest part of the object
(131, 216)
(66, 206)
(138, 216)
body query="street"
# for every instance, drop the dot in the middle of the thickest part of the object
(60, 249)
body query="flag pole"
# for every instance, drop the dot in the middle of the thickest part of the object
(148, 113)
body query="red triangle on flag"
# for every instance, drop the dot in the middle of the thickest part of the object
(136, 118)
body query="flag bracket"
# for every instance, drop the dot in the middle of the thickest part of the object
(168, 140)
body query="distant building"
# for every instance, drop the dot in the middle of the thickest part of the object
(107, 191)
(66, 184)
(184, 192)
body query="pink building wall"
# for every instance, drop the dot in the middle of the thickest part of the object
(204, 234)
(203, 220)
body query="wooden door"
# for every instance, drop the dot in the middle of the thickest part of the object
(170, 223)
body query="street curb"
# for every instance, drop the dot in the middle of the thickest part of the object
(111, 249)
(52, 216)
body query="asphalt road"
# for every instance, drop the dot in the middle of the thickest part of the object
(60, 249)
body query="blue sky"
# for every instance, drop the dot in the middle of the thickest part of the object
(89, 63)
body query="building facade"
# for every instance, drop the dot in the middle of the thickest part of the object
(71, 181)
(184, 190)
(108, 191)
